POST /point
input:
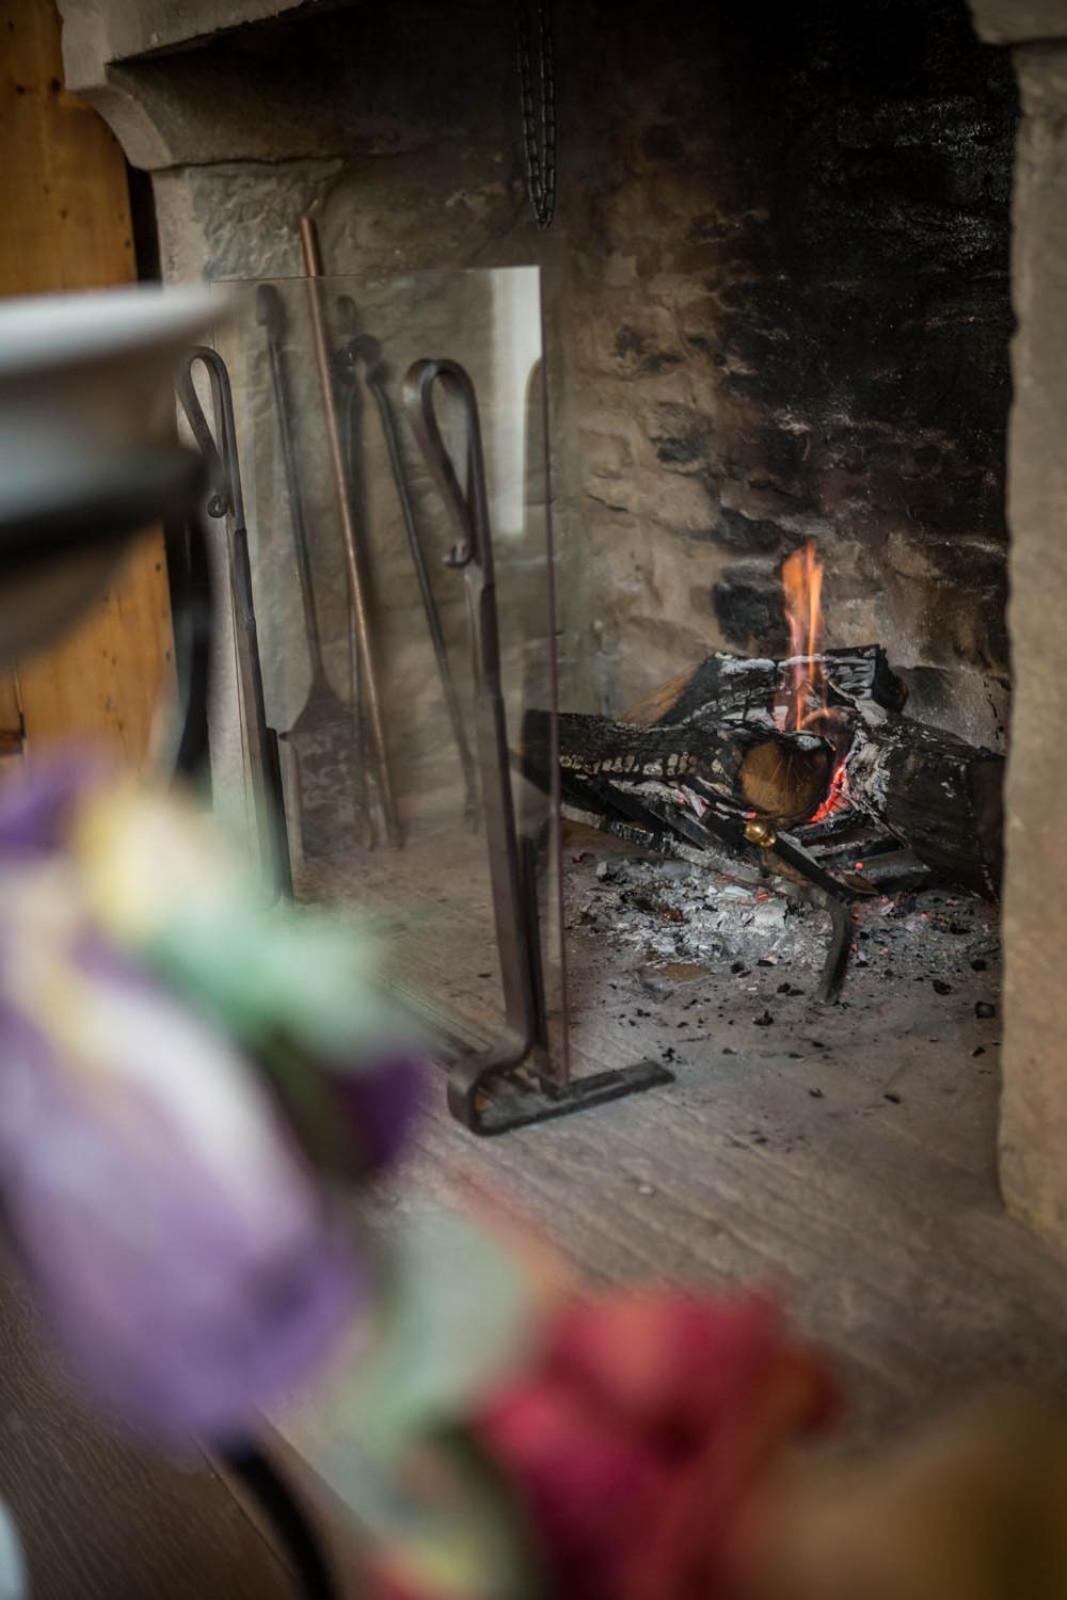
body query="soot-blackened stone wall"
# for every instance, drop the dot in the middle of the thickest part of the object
(788, 236)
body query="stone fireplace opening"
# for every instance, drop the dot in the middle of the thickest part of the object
(777, 302)
(790, 314)
(778, 285)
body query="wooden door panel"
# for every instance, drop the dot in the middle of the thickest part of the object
(65, 224)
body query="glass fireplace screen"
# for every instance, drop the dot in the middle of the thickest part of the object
(398, 596)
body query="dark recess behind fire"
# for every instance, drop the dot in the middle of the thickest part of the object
(882, 142)
(818, 197)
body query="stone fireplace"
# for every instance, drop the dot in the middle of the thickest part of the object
(778, 310)
(779, 279)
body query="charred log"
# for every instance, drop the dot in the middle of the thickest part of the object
(783, 776)
(744, 687)
(940, 795)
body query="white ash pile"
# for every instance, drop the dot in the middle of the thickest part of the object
(674, 910)
(662, 912)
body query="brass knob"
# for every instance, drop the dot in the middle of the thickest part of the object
(759, 831)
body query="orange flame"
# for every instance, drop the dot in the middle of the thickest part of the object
(808, 704)
(802, 577)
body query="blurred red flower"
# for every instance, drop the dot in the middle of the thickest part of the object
(640, 1441)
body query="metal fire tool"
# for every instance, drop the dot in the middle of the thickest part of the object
(353, 410)
(226, 500)
(360, 349)
(834, 897)
(355, 555)
(329, 772)
(535, 1095)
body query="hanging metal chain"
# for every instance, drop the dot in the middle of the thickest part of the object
(538, 113)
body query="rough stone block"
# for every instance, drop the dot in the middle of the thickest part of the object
(605, 455)
(637, 340)
(1033, 1130)
(1019, 21)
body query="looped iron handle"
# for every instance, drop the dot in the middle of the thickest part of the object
(468, 508)
(362, 349)
(219, 450)
(219, 453)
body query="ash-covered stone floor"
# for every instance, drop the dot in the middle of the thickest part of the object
(844, 1155)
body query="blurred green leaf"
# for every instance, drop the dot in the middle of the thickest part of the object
(459, 1319)
(264, 972)
(389, 1436)
(449, 1524)
(13, 1585)
(166, 884)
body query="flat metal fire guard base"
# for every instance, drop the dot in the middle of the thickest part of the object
(492, 1103)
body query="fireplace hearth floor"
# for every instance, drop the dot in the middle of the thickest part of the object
(844, 1154)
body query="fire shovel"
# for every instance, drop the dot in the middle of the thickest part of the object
(329, 778)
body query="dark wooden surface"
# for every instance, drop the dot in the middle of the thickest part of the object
(99, 1520)
(65, 225)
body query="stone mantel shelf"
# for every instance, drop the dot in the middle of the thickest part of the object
(159, 72)
(98, 33)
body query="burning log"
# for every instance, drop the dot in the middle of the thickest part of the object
(749, 686)
(782, 776)
(940, 795)
(739, 733)
(937, 794)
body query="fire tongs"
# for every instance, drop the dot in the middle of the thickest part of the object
(535, 1090)
(226, 501)
(361, 349)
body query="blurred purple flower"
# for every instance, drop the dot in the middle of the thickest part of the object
(382, 1102)
(181, 1250)
(184, 1249)
(35, 806)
